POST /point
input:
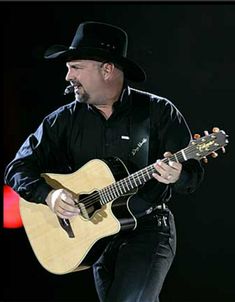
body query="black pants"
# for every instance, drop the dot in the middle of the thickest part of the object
(134, 265)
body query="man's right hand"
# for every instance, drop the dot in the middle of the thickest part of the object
(61, 202)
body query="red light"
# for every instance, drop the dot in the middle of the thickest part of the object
(11, 211)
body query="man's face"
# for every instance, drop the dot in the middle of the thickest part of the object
(87, 78)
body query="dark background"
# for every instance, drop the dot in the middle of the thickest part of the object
(188, 52)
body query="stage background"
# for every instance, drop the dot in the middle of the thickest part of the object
(188, 52)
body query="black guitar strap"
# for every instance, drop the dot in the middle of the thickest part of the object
(139, 129)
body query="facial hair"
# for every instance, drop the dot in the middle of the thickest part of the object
(82, 97)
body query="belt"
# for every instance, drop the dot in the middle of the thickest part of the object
(157, 209)
(158, 214)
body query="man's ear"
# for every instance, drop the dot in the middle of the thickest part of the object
(107, 69)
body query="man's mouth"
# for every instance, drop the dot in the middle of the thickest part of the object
(77, 88)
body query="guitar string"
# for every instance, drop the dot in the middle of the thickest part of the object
(123, 181)
(90, 200)
(118, 183)
(96, 195)
(142, 173)
(108, 191)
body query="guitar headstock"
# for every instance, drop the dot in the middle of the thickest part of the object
(201, 147)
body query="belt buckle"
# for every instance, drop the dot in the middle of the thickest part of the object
(161, 216)
(161, 206)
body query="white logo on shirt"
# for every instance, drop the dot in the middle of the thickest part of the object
(139, 145)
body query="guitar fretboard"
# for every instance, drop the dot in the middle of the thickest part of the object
(197, 149)
(135, 180)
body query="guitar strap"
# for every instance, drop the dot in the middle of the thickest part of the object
(139, 129)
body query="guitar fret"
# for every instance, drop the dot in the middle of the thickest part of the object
(108, 194)
(135, 181)
(101, 197)
(176, 158)
(104, 197)
(127, 184)
(138, 177)
(149, 176)
(114, 191)
(130, 182)
(123, 186)
(143, 175)
(183, 154)
(111, 193)
(151, 170)
(119, 187)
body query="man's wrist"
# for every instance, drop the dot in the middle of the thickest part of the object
(50, 201)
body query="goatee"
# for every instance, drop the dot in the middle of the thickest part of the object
(82, 98)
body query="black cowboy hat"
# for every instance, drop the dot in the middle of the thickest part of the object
(100, 42)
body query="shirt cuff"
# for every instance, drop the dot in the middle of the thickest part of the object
(41, 193)
(182, 185)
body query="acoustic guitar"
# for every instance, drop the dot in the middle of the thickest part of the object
(103, 188)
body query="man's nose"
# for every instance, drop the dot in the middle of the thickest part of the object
(70, 76)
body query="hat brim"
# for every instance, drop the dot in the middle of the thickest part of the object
(131, 70)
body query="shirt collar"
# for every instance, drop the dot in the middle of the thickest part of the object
(122, 101)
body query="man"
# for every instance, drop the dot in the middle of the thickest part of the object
(111, 119)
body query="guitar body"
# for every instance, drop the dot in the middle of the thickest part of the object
(63, 246)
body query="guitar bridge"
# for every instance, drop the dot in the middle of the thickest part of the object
(65, 224)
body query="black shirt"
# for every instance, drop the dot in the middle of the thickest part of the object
(76, 133)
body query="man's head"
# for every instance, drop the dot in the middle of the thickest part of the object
(99, 42)
(95, 82)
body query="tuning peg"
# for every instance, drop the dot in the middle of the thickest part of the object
(196, 136)
(223, 149)
(205, 160)
(206, 132)
(214, 154)
(215, 130)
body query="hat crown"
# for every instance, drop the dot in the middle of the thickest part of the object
(103, 36)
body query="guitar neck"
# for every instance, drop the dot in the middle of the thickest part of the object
(197, 149)
(135, 180)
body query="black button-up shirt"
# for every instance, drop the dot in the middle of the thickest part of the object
(76, 133)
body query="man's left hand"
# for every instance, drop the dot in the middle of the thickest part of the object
(167, 173)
